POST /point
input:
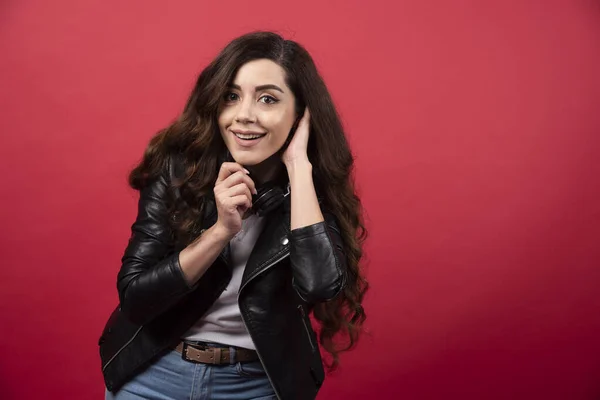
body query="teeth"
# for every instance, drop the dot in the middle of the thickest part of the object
(247, 137)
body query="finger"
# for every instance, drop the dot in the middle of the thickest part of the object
(230, 181)
(237, 190)
(229, 168)
(305, 118)
(240, 201)
(237, 178)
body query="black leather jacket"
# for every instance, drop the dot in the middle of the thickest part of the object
(286, 274)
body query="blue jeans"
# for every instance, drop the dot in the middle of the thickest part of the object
(172, 378)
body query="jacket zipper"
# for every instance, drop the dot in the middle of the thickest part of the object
(310, 340)
(278, 259)
(122, 347)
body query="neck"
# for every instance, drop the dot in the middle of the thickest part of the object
(268, 170)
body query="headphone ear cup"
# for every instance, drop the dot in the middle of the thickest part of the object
(268, 198)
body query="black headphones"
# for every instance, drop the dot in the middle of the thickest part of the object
(269, 197)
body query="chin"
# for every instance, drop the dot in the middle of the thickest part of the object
(248, 160)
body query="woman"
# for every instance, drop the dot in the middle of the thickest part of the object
(247, 222)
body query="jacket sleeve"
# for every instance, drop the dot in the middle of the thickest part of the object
(150, 279)
(318, 260)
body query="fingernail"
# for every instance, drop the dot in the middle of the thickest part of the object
(255, 191)
(246, 171)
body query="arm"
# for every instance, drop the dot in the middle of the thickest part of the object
(153, 277)
(316, 248)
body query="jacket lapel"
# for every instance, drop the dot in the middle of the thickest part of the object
(272, 244)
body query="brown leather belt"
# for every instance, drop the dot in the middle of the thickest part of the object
(214, 355)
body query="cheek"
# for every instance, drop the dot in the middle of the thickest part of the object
(223, 125)
(279, 125)
(224, 120)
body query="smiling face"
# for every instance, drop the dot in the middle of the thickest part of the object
(257, 112)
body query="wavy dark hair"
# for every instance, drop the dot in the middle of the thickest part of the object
(194, 138)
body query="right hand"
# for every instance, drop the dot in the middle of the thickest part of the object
(233, 195)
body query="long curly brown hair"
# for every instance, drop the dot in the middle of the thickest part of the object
(194, 138)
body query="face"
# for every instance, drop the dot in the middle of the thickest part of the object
(257, 112)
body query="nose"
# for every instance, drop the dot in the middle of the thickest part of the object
(245, 112)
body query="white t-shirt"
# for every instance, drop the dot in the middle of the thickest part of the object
(223, 323)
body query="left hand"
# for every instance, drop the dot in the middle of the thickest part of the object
(297, 149)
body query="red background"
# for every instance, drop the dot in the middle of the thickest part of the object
(475, 127)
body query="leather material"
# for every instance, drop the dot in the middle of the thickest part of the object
(214, 355)
(286, 274)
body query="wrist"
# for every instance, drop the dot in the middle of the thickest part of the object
(298, 165)
(300, 176)
(220, 233)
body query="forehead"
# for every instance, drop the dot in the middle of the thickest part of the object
(260, 72)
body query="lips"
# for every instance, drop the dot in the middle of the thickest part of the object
(247, 135)
(247, 138)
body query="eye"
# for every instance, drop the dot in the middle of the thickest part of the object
(230, 96)
(268, 99)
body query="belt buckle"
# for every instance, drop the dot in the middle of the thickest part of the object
(216, 354)
(184, 348)
(184, 354)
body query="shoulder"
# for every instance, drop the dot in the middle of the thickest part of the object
(175, 166)
(160, 184)
(171, 170)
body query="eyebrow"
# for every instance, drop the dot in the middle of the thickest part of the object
(259, 88)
